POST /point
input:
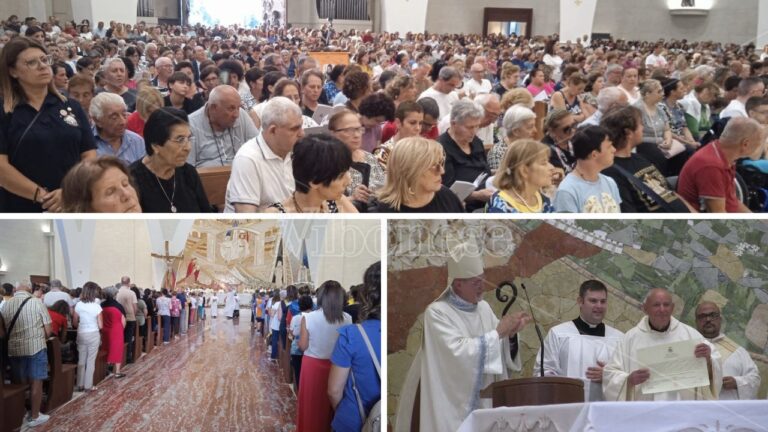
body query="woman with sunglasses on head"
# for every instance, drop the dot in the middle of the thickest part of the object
(42, 133)
(415, 170)
(166, 182)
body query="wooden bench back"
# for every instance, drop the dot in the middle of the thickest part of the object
(215, 181)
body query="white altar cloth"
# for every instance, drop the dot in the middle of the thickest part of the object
(688, 416)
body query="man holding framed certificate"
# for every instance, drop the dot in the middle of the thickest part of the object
(662, 359)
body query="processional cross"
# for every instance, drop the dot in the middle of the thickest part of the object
(169, 279)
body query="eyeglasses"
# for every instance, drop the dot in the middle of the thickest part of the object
(352, 130)
(181, 140)
(45, 60)
(708, 317)
(438, 167)
(568, 129)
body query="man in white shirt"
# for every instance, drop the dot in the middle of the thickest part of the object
(656, 60)
(748, 87)
(56, 294)
(262, 173)
(741, 379)
(443, 90)
(477, 84)
(580, 348)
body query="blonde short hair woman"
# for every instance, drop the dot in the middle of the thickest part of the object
(414, 180)
(524, 171)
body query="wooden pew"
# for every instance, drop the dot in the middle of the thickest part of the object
(284, 360)
(540, 109)
(138, 341)
(61, 380)
(100, 368)
(149, 343)
(11, 405)
(125, 355)
(215, 181)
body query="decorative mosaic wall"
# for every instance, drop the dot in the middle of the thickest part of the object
(721, 261)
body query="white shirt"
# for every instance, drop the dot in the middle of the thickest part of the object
(274, 322)
(569, 353)
(259, 176)
(474, 87)
(655, 61)
(88, 313)
(734, 109)
(322, 334)
(737, 364)
(444, 101)
(54, 296)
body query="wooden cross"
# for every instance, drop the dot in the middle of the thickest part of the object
(168, 258)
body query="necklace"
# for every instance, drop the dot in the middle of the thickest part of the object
(522, 200)
(173, 194)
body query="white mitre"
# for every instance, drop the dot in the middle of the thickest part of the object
(465, 260)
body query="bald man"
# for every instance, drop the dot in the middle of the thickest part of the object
(624, 376)
(219, 129)
(741, 379)
(707, 180)
(477, 84)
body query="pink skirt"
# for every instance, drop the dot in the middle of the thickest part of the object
(315, 411)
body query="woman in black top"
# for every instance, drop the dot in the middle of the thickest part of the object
(165, 181)
(42, 133)
(465, 158)
(414, 180)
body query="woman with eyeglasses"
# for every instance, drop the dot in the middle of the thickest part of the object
(366, 173)
(290, 89)
(165, 181)
(43, 134)
(414, 180)
(560, 128)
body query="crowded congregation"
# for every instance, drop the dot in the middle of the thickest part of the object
(284, 344)
(130, 117)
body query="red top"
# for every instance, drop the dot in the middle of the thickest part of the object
(390, 129)
(134, 123)
(707, 174)
(58, 322)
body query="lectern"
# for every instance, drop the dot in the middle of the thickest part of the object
(534, 391)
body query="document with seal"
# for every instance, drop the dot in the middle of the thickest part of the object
(673, 367)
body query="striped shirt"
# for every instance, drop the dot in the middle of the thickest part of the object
(28, 334)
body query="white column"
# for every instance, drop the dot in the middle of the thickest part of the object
(576, 19)
(762, 24)
(404, 16)
(123, 11)
(76, 238)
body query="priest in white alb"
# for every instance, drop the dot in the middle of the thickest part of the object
(741, 378)
(465, 348)
(624, 375)
(230, 303)
(580, 348)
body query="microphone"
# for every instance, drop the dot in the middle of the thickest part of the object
(538, 330)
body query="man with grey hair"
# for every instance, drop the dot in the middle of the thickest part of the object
(465, 158)
(613, 75)
(56, 294)
(128, 300)
(26, 324)
(219, 129)
(707, 180)
(607, 99)
(164, 68)
(262, 173)
(443, 90)
(110, 134)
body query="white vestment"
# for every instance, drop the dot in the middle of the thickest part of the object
(568, 354)
(214, 302)
(461, 354)
(737, 364)
(229, 304)
(624, 362)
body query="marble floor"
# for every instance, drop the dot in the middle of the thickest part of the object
(214, 379)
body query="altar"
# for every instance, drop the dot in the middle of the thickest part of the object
(688, 416)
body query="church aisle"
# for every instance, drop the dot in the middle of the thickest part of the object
(219, 379)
